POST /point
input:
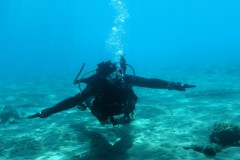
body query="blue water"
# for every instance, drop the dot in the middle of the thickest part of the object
(40, 37)
(43, 44)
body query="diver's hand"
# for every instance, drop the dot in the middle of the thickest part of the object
(36, 115)
(179, 86)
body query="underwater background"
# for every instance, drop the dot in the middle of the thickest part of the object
(57, 36)
(43, 44)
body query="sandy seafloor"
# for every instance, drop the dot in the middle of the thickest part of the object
(165, 121)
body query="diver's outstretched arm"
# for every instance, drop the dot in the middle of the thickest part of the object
(63, 105)
(157, 83)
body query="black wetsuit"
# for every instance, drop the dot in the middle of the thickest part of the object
(109, 98)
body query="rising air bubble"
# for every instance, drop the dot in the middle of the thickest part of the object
(114, 41)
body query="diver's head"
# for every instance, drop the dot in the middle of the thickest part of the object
(105, 68)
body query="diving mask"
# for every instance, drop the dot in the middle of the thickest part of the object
(117, 75)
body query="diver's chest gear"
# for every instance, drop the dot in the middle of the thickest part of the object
(108, 111)
(113, 101)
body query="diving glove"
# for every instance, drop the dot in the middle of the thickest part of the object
(178, 86)
(39, 114)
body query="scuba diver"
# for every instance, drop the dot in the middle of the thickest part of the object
(109, 93)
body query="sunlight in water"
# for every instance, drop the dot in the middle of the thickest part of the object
(114, 41)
